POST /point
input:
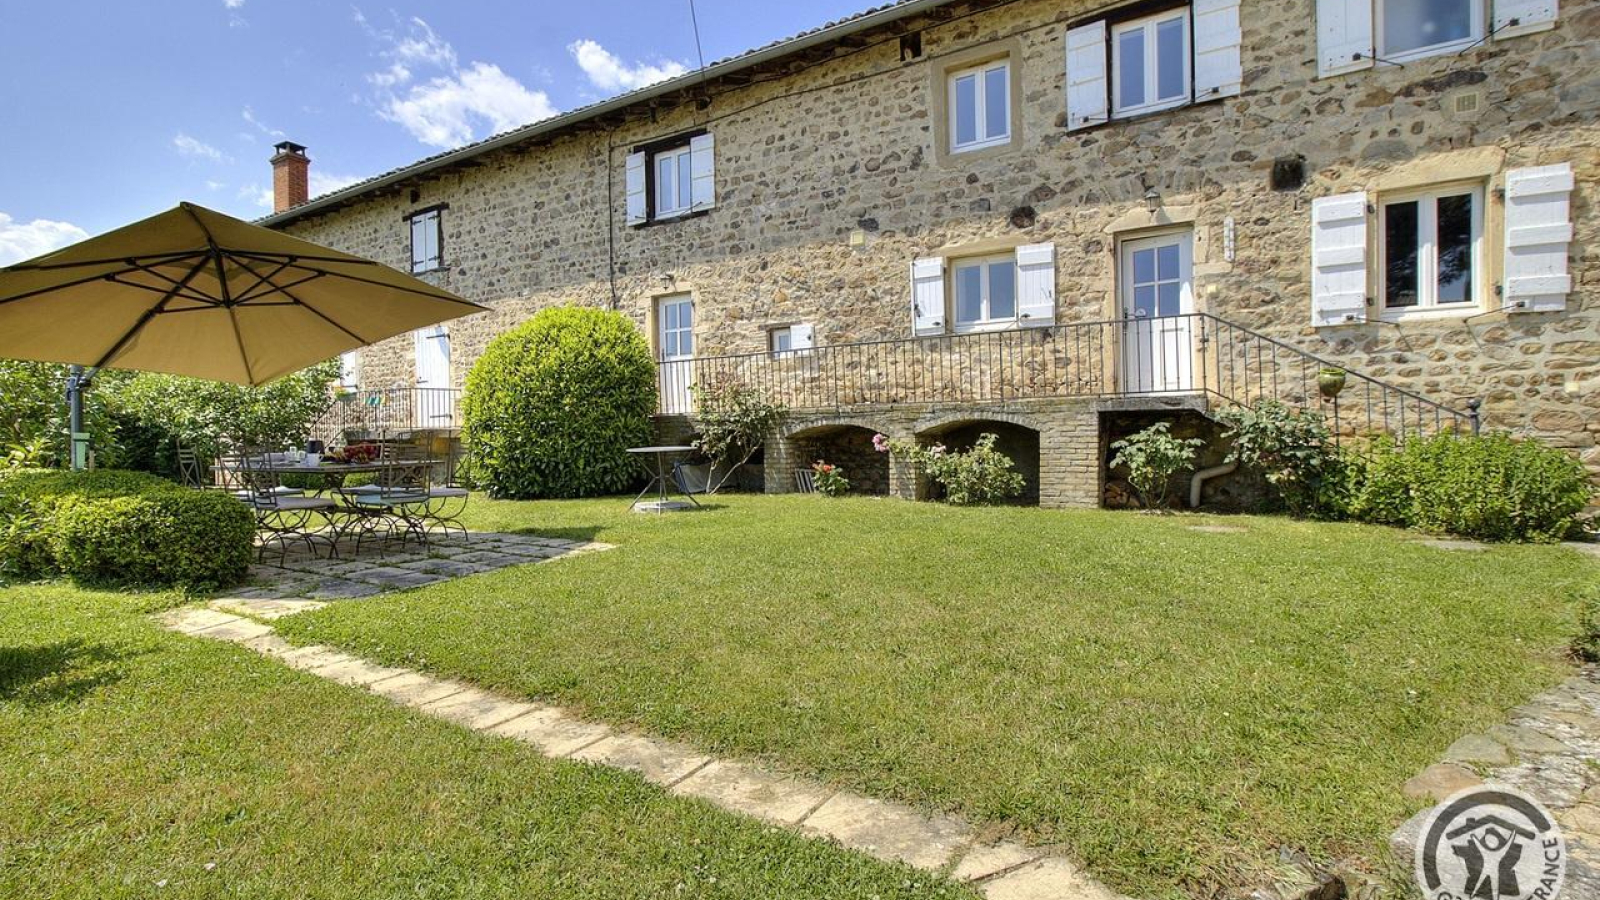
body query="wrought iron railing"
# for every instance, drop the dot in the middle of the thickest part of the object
(390, 411)
(1196, 354)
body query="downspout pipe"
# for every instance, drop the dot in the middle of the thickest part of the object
(1202, 476)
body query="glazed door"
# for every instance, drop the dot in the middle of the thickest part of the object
(1157, 295)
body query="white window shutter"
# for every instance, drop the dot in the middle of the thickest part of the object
(702, 166)
(1036, 284)
(350, 368)
(1088, 88)
(1538, 231)
(802, 337)
(1344, 36)
(927, 295)
(1339, 259)
(637, 211)
(1217, 69)
(1529, 16)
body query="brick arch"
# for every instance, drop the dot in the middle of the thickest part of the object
(943, 420)
(814, 427)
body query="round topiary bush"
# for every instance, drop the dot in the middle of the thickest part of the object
(552, 406)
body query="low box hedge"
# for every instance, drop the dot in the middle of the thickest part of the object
(114, 527)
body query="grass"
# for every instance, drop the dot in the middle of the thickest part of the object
(139, 763)
(1170, 706)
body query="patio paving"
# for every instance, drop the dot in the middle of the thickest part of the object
(884, 829)
(300, 581)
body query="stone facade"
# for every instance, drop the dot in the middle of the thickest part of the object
(831, 178)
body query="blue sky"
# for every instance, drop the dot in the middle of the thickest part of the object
(115, 110)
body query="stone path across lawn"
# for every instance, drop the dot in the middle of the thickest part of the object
(1550, 748)
(886, 830)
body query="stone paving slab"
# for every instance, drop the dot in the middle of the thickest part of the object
(265, 609)
(554, 732)
(661, 762)
(884, 829)
(888, 831)
(341, 588)
(746, 789)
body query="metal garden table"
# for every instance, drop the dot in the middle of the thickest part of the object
(660, 480)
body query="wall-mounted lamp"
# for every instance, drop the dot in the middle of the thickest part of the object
(1152, 199)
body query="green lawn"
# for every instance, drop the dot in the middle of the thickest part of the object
(132, 758)
(1169, 706)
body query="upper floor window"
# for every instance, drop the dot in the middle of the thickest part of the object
(1356, 34)
(674, 180)
(671, 179)
(790, 340)
(1416, 28)
(427, 240)
(1430, 250)
(980, 106)
(1151, 62)
(1122, 67)
(985, 290)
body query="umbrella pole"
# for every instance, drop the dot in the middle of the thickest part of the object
(77, 382)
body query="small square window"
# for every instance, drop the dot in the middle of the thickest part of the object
(674, 181)
(1151, 63)
(1431, 250)
(780, 340)
(980, 107)
(1411, 29)
(985, 291)
(427, 240)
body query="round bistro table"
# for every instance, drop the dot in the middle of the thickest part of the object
(660, 479)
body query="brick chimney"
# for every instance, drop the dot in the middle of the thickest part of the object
(290, 176)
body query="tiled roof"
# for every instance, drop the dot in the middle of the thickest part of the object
(877, 15)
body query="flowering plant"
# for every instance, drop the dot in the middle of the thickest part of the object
(829, 479)
(979, 475)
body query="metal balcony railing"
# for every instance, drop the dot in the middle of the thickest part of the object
(1194, 354)
(391, 411)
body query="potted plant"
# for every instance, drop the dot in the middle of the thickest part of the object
(1330, 381)
(829, 479)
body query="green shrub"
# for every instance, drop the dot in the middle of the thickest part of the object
(829, 479)
(976, 476)
(734, 421)
(109, 526)
(552, 406)
(1291, 449)
(1491, 487)
(1151, 457)
(33, 412)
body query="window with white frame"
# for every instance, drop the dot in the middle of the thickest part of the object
(674, 181)
(1430, 244)
(1409, 29)
(985, 291)
(1150, 62)
(980, 106)
(427, 240)
(790, 340)
(780, 341)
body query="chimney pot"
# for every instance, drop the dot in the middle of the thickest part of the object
(291, 180)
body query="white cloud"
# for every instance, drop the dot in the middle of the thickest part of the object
(233, 4)
(321, 183)
(609, 73)
(249, 115)
(255, 193)
(25, 240)
(444, 111)
(214, 185)
(197, 149)
(423, 88)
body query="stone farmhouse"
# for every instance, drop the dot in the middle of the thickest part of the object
(1049, 219)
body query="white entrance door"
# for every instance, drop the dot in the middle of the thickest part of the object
(431, 405)
(675, 315)
(1157, 293)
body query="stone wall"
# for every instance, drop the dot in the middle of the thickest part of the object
(848, 147)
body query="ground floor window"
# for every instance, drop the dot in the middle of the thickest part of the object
(1430, 248)
(985, 290)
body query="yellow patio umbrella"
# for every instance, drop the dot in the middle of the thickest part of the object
(194, 292)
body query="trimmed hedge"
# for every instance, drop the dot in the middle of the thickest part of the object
(115, 527)
(1492, 487)
(553, 404)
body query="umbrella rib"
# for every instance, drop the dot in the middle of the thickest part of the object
(174, 256)
(317, 312)
(273, 289)
(441, 295)
(144, 318)
(215, 256)
(177, 290)
(154, 274)
(244, 294)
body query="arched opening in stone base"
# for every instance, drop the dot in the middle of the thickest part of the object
(1018, 442)
(850, 448)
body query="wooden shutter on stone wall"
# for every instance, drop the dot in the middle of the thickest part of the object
(702, 168)
(1529, 16)
(1036, 284)
(1344, 36)
(927, 295)
(1088, 88)
(1339, 259)
(1217, 69)
(638, 211)
(1538, 232)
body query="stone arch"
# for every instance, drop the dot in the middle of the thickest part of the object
(1019, 437)
(846, 443)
